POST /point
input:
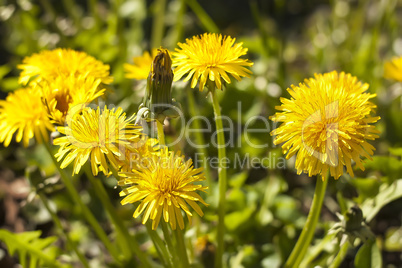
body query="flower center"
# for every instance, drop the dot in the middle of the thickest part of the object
(63, 101)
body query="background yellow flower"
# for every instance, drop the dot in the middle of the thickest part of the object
(165, 187)
(393, 69)
(210, 56)
(60, 62)
(23, 112)
(327, 124)
(141, 67)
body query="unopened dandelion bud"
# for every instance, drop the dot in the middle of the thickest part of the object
(353, 219)
(158, 102)
(351, 226)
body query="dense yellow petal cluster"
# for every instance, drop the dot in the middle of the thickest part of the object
(60, 82)
(139, 154)
(51, 64)
(393, 69)
(67, 95)
(141, 67)
(101, 136)
(23, 112)
(165, 186)
(210, 56)
(327, 122)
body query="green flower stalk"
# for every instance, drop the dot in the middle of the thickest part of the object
(158, 103)
(211, 58)
(326, 125)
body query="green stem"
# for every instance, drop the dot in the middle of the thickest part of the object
(119, 24)
(127, 241)
(316, 250)
(58, 224)
(222, 178)
(161, 134)
(159, 245)
(342, 203)
(84, 209)
(178, 27)
(313, 254)
(203, 16)
(340, 256)
(198, 134)
(166, 235)
(307, 233)
(158, 23)
(114, 172)
(255, 11)
(181, 246)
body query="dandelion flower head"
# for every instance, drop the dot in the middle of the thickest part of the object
(60, 62)
(164, 187)
(63, 96)
(23, 112)
(210, 56)
(101, 136)
(327, 123)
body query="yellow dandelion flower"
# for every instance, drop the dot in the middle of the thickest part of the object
(64, 96)
(327, 124)
(60, 62)
(210, 56)
(101, 136)
(23, 112)
(393, 69)
(165, 186)
(138, 156)
(141, 67)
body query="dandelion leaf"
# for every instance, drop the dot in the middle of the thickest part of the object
(32, 250)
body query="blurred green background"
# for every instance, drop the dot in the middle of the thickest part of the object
(287, 41)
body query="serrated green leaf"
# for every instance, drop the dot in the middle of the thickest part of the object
(32, 250)
(387, 194)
